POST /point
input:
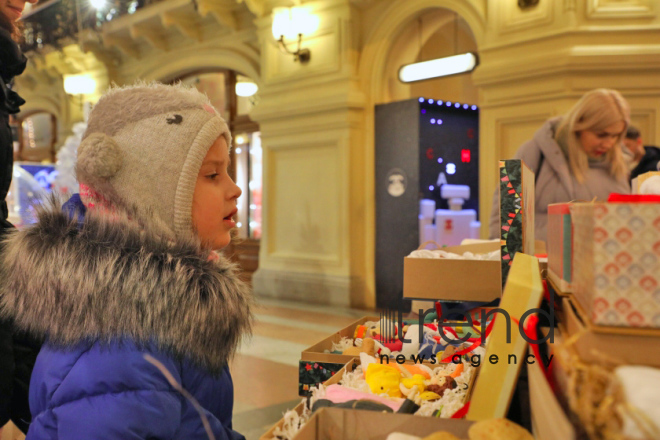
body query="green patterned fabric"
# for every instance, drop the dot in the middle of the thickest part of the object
(511, 232)
(311, 374)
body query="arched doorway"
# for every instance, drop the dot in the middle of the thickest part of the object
(36, 135)
(408, 32)
(432, 34)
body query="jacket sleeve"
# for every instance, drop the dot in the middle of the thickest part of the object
(7, 367)
(134, 415)
(126, 398)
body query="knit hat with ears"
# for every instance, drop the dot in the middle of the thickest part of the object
(143, 148)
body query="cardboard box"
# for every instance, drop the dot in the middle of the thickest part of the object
(475, 280)
(315, 353)
(316, 366)
(596, 343)
(616, 262)
(350, 366)
(454, 280)
(549, 420)
(560, 247)
(347, 424)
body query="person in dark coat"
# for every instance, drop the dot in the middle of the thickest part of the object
(125, 282)
(17, 351)
(645, 157)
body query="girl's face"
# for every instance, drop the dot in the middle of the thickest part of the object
(214, 199)
(597, 143)
(13, 9)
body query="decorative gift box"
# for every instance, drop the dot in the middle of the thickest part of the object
(516, 212)
(560, 248)
(616, 262)
(316, 366)
(635, 346)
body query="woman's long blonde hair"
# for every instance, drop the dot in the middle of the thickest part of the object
(596, 110)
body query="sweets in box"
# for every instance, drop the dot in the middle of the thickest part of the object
(377, 337)
(437, 390)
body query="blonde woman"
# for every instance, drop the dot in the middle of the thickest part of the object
(576, 156)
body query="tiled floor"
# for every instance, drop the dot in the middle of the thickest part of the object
(265, 371)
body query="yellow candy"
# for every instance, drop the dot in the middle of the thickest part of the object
(416, 370)
(408, 384)
(383, 379)
(429, 395)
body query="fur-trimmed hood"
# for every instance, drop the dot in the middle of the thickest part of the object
(106, 280)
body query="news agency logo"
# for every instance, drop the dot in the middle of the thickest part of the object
(391, 330)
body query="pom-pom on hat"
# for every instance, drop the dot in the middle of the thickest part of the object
(143, 148)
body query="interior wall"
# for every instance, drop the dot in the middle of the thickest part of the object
(454, 37)
(433, 33)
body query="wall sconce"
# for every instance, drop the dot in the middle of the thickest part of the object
(245, 87)
(79, 84)
(293, 23)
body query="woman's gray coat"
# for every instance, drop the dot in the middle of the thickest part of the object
(554, 181)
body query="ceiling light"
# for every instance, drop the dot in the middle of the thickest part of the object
(439, 67)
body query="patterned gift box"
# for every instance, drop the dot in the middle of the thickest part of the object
(560, 248)
(616, 262)
(516, 190)
(311, 374)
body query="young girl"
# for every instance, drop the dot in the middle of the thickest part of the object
(130, 270)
